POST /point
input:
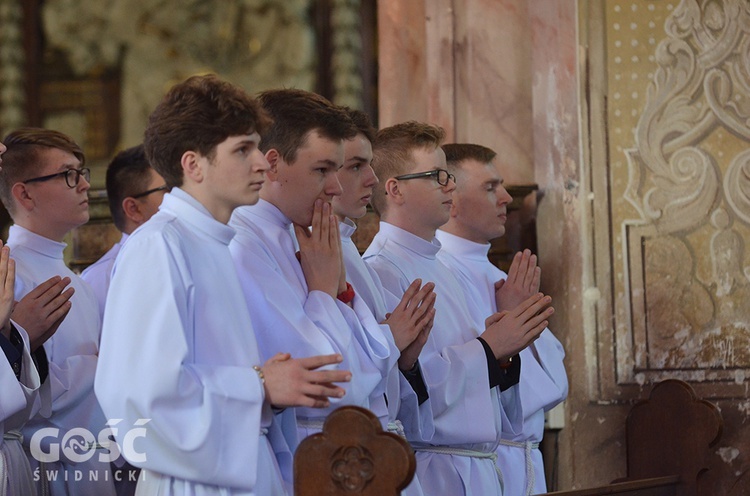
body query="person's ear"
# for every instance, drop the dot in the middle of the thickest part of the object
(273, 158)
(191, 166)
(132, 210)
(393, 190)
(23, 196)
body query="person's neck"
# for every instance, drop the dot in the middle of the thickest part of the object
(418, 229)
(218, 210)
(54, 233)
(454, 229)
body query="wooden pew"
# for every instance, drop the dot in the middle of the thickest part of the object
(353, 455)
(669, 439)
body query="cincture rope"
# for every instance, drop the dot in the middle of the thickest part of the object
(530, 475)
(12, 445)
(446, 450)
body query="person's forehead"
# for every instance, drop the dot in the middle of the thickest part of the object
(155, 178)
(54, 160)
(359, 147)
(426, 159)
(481, 171)
(319, 149)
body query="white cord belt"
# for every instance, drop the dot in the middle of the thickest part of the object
(397, 427)
(312, 424)
(447, 450)
(530, 473)
(15, 473)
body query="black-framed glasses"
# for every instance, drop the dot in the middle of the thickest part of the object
(148, 192)
(72, 177)
(442, 176)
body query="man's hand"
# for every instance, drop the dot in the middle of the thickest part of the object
(320, 251)
(410, 354)
(522, 282)
(509, 332)
(410, 319)
(295, 382)
(42, 310)
(7, 286)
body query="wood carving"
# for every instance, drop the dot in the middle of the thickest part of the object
(353, 455)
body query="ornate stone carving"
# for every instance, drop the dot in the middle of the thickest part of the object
(688, 281)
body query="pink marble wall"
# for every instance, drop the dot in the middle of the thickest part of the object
(463, 65)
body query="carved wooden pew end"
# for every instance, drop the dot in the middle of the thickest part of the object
(353, 455)
(669, 439)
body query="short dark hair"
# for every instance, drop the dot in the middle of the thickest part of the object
(128, 174)
(21, 159)
(297, 112)
(392, 153)
(455, 153)
(198, 114)
(362, 121)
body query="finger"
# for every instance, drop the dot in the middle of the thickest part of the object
(513, 270)
(10, 280)
(59, 300)
(58, 314)
(528, 303)
(324, 390)
(317, 361)
(333, 228)
(423, 311)
(316, 218)
(43, 287)
(540, 308)
(328, 376)
(427, 319)
(410, 292)
(312, 402)
(425, 293)
(325, 222)
(528, 262)
(536, 279)
(4, 259)
(280, 357)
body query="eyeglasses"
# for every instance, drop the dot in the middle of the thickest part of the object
(148, 192)
(441, 175)
(72, 177)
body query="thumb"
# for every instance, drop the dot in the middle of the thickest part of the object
(499, 284)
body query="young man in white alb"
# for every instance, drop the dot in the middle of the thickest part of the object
(477, 216)
(466, 365)
(179, 354)
(408, 320)
(301, 301)
(44, 185)
(134, 193)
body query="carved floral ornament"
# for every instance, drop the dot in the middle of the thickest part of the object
(702, 82)
(352, 468)
(689, 274)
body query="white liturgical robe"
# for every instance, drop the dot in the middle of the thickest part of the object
(177, 354)
(19, 403)
(543, 382)
(72, 353)
(99, 273)
(289, 318)
(468, 414)
(403, 404)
